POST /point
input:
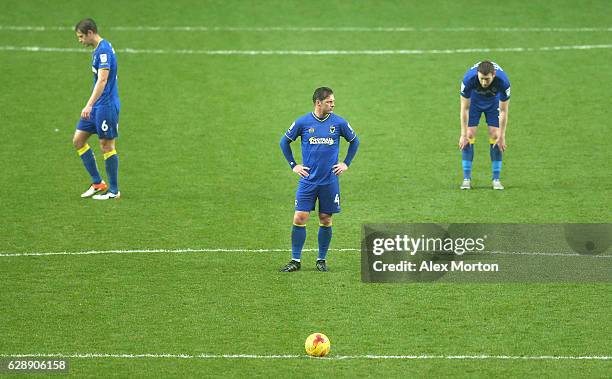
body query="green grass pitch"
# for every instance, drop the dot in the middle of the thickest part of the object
(200, 167)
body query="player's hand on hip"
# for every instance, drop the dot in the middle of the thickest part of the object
(463, 141)
(302, 171)
(86, 112)
(340, 168)
(501, 143)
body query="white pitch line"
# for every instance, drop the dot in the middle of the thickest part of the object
(361, 29)
(154, 251)
(128, 50)
(549, 254)
(295, 356)
(244, 250)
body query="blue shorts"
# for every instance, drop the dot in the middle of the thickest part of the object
(328, 195)
(491, 114)
(103, 121)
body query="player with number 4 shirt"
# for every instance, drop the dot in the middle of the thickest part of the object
(320, 132)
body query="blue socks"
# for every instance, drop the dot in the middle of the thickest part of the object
(467, 156)
(89, 161)
(111, 161)
(325, 236)
(496, 159)
(298, 236)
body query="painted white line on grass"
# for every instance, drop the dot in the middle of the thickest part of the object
(154, 251)
(548, 254)
(309, 52)
(366, 29)
(295, 356)
(244, 250)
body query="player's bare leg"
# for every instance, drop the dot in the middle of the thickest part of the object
(496, 157)
(300, 218)
(325, 235)
(298, 236)
(79, 141)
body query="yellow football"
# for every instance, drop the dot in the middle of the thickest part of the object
(317, 345)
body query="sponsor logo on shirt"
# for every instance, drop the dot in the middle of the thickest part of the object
(321, 141)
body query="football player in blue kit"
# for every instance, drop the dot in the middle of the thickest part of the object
(485, 89)
(100, 115)
(320, 132)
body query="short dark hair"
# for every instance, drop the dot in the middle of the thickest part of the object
(321, 94)
(486, 67)
(85, 25)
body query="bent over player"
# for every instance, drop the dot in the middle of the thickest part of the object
(320, 131)
(485, 89)
(100, 115)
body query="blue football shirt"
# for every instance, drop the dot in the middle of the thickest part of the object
(103, 57)
(486, 98)
(320, 144)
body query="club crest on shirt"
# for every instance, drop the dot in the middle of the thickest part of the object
(311, 130)
(332, 129)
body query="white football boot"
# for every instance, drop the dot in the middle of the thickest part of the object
(107, 196)
(497, 185)
(466, 185)
(94, 189)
